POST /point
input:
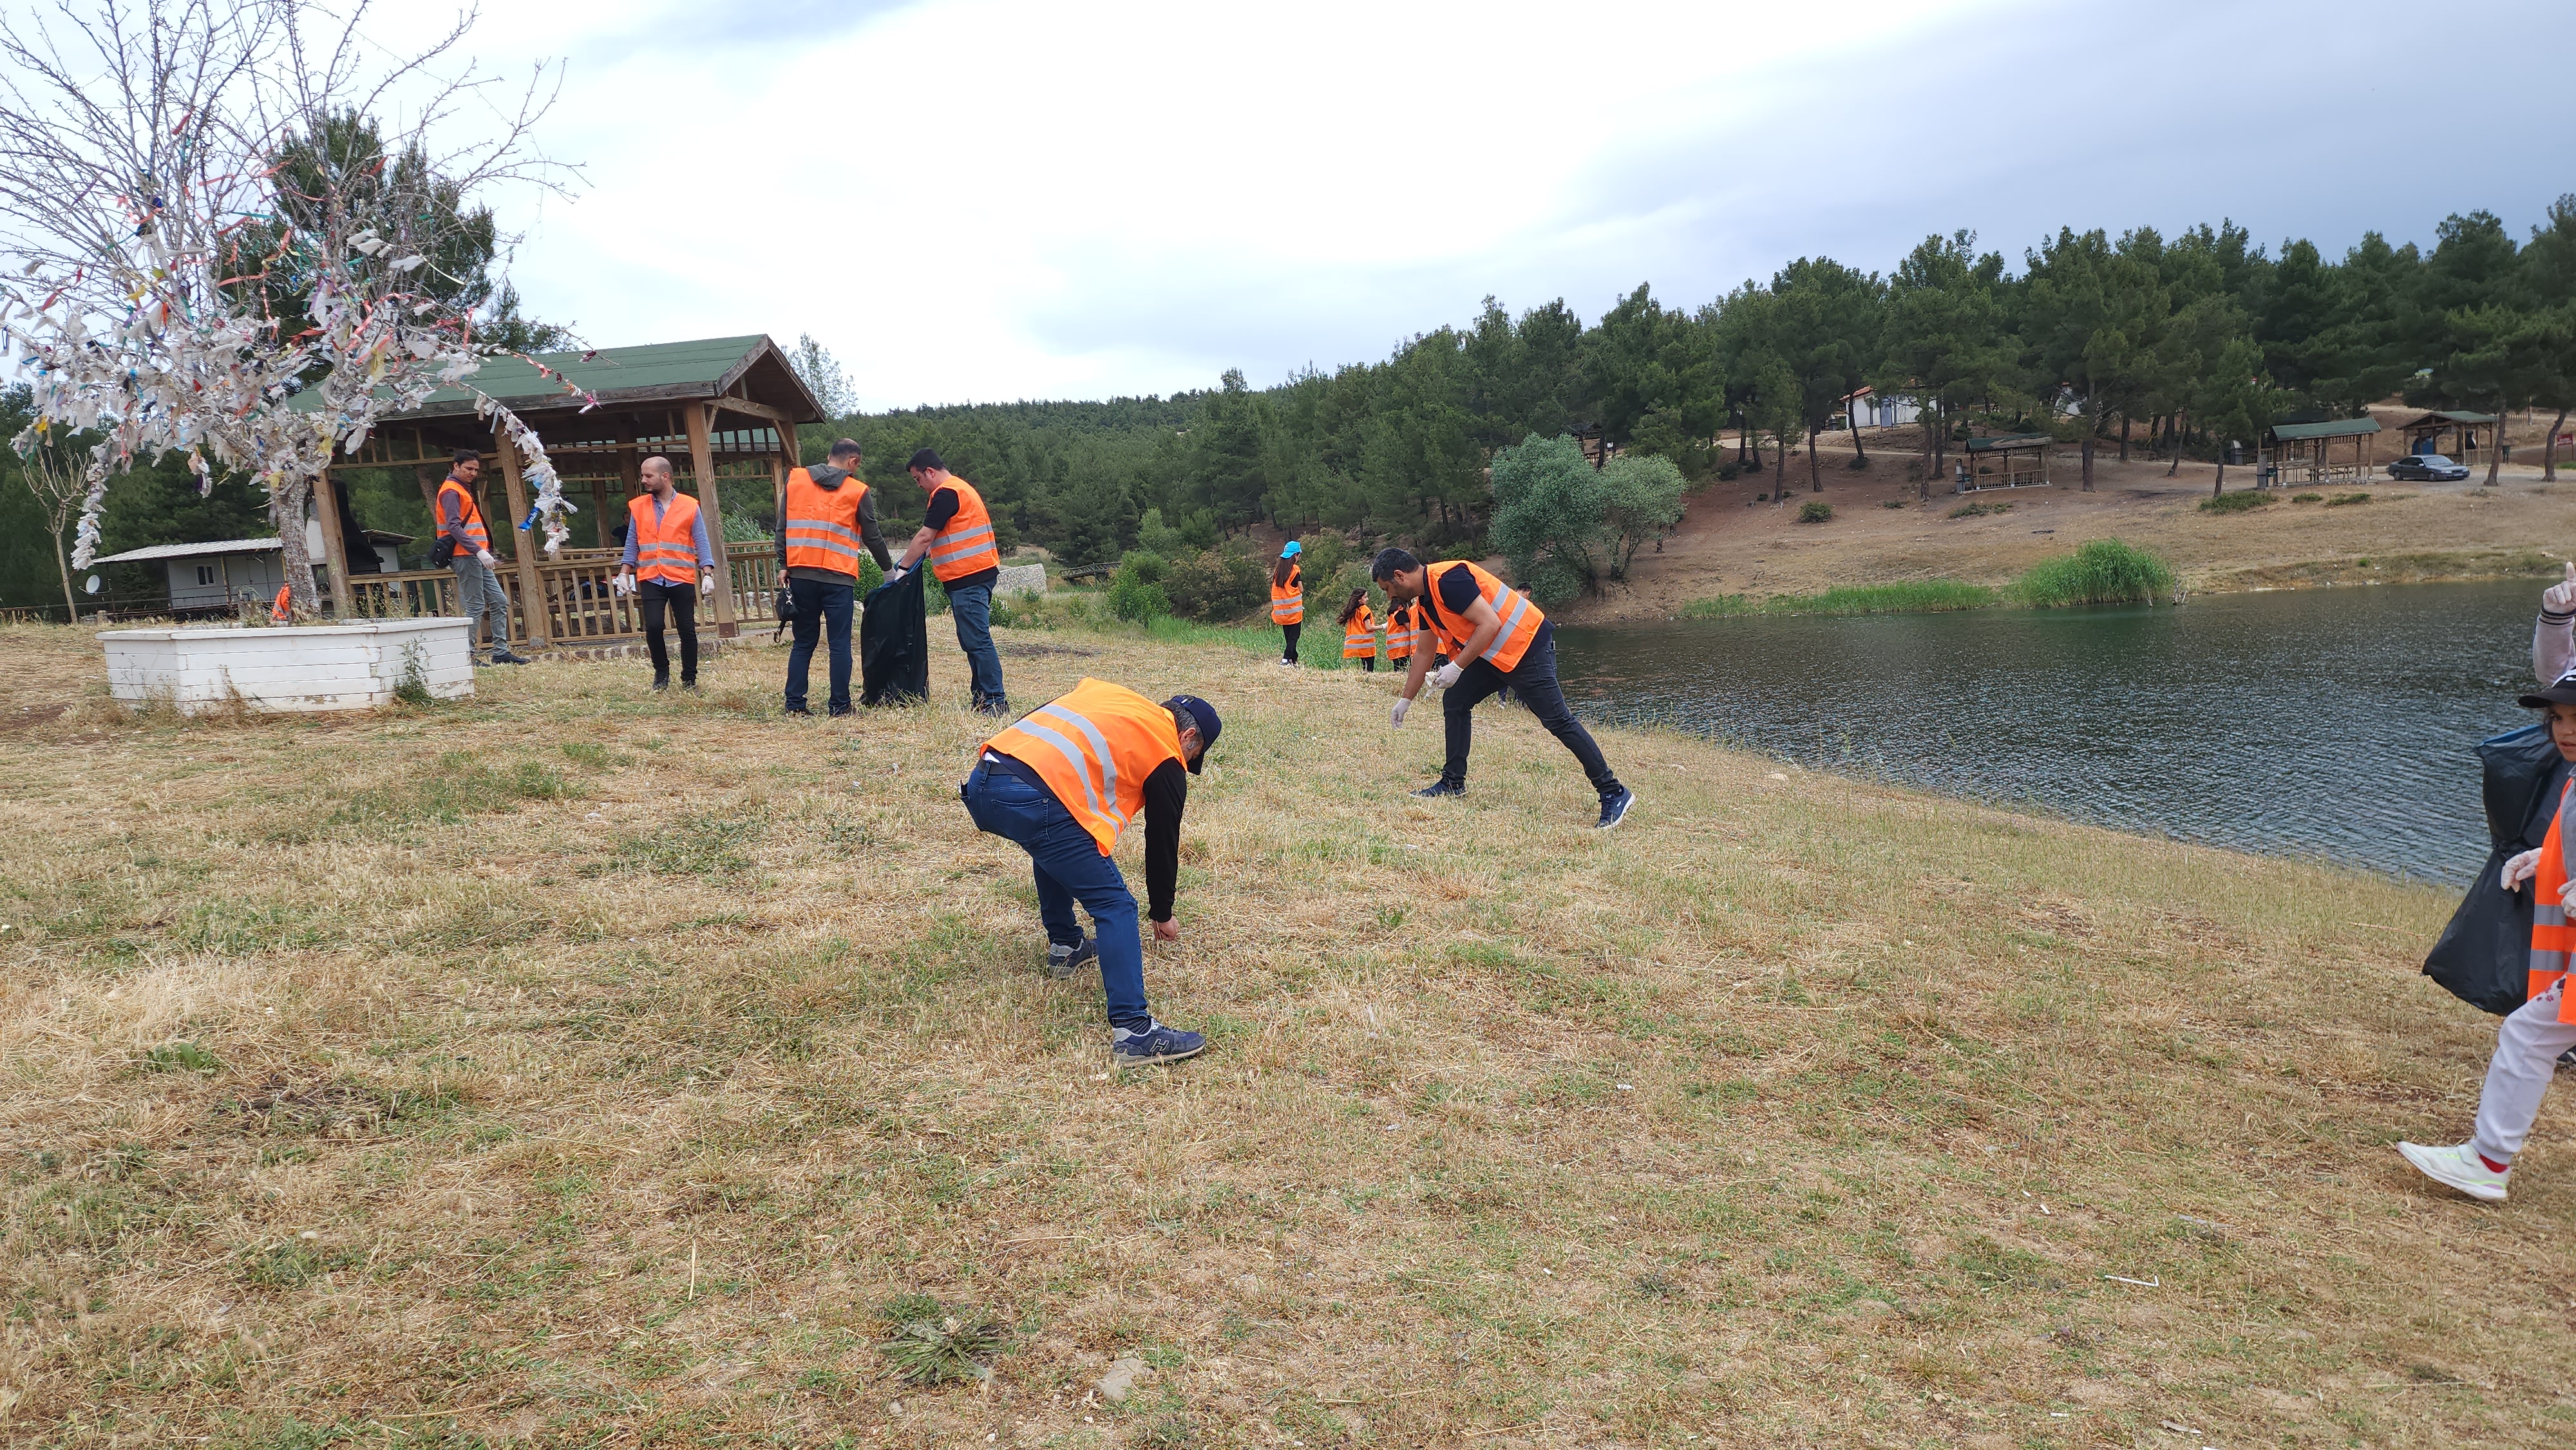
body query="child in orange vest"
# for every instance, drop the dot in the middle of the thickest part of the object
(2532, 1037)
(1359, 632)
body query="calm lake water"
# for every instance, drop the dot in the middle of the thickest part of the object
(2332, 723)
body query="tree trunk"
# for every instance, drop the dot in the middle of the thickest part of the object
(2090, 422)
(1814, 476)
(286, 511)
(63, 566)
(2173, 442)
(1851, 415)
(2124, 437)
(2219, 487)
(2495, 445)
(1745, 439)
(1780, 485)
(2549, 450)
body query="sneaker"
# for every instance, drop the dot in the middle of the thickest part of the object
(1614, 808)
(1443, 787)
(661, 684)
(993, 707)
(1157, 1043)
(1064, 961)
(2459, 1167)
(797, 712)
(689, 685)
(505, 657)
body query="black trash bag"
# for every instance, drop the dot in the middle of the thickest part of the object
(2484, 956)
(894, 645)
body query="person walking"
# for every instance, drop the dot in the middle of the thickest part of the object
(1504, 641)
(1288, 598)
(957, 534)
(1061, 783)
(668, 564)
(2531, 1037)
(479, 595)
(826, 516)
(1359, 632)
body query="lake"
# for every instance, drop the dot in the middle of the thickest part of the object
(2321, 723)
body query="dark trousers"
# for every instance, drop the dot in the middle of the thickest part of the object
(820, 607)
(1289, 654)
(681, 602)
(1534, 682)
(1068, 867)
(970, 608)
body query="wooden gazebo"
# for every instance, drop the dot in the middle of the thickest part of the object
(724, 410)
(2010, 460)
(2302, 452)
(2424, 434)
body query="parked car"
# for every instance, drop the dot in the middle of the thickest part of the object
(2427, 468)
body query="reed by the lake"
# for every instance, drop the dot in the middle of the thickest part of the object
(2104, 571)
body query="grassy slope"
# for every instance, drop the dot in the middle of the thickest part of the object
(1798, 1111)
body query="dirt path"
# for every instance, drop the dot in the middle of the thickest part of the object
(1732, 543)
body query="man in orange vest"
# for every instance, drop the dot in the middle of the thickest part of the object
(1062, 782)
(478, 583)
(668, 562)
(830, 515)
(957, 534)
(2532, 1036)
(1504, 641)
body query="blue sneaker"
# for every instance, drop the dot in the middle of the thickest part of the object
(1064, 961)
(1442, 788)
(1157, 1043)
(1614, 808)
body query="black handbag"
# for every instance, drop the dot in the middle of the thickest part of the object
(442, 551)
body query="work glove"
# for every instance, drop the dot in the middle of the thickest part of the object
(706, 581)
(2520, 869)
(1401, 705)
(486, 556)
(1447, 675)
(2560, 598)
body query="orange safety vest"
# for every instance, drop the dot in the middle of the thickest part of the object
(477, 538)
(1288, 601)
(1399, 632)
(823, 524)
(1094, 746)
(966, 545)
(667, 552)
(283, 609)
(2552, 938)
(1521, 618)
(1359, 636)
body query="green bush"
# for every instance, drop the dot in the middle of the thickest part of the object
(2339, 500)
(2238, 503)
(2306, 497)
(2104, 571)
(1815, 511)
(1215, 585)
(1979, 510)
(1137, 594)
(1729, 471)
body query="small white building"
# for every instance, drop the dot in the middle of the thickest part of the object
(216, 576)
(1871, 409)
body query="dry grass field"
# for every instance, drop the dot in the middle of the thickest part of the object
(580, 1066)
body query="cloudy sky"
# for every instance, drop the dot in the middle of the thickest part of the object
(977, 200)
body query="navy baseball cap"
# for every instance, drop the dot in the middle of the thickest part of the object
(1203, 715)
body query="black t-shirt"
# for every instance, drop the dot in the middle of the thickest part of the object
(1458, 593)
(943, 507)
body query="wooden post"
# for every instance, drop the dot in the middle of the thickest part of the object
(532, 599)
(702, 457)
(335, 545)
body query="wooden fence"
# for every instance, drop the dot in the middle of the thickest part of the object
(577, 606)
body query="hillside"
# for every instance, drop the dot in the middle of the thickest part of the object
(576, 1065)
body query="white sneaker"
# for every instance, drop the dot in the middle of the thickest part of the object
(2460, 1167)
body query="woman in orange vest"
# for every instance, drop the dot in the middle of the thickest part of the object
(2531, 1038)
(1359, 632)
(1503, 640)
(957, 534)
(1288, 598)
(668, 561)
(1399, 633)
(282, 608)
(1062, 782)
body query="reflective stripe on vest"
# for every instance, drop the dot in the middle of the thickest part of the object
(1095, 746)
(1359, 637)
(665, 552)
(283, 609)
(965, 546)
(1520, 618)
(1288, 601)
(2552, 937)
(470, 521)
(823, 523)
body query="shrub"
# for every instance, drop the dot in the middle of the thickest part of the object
(932, 1343)
(1729, 471)
(1641, 498)
(1979, 510)
(2305, 497)
(2238, 503)
(1815, 511)
(1857, 464)
(2339, 500)
(1137, 594)
(1893, 503)
(1214, 585)
(2104, 571)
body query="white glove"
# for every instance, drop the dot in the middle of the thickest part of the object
(1401, 705)
(2560, 598)
(706, 581)
(2520, 869)
(486, 556)
(1447, 675)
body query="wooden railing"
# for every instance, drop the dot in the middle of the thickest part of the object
(576, 606)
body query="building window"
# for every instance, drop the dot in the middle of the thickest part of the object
(205, 573)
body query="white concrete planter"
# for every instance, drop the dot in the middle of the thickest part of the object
(308, 667)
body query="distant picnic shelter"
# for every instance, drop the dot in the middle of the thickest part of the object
(725, 411)
(2424, 433)
(2303, 452)
(2010, 460)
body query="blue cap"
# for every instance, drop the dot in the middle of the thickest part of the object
(1292, 550)
(1203, 715)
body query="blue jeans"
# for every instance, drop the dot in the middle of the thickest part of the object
(972, 608)
(819, 605)
(1069, 867)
